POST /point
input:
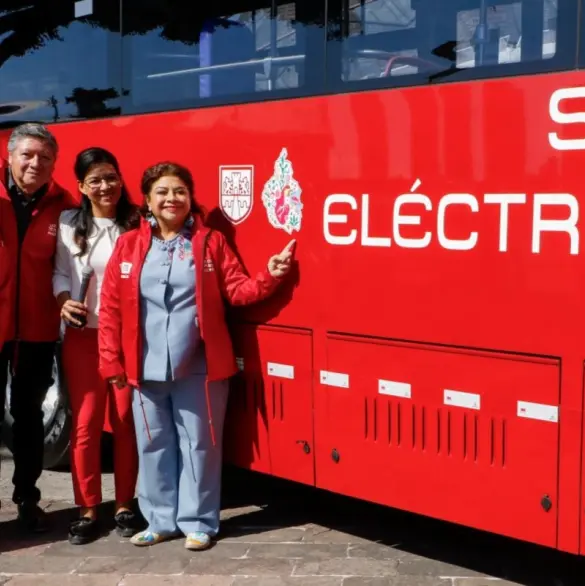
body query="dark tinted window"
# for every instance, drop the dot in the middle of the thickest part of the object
(186, 53)
(398, 42)
(582, 38)
(59, 60)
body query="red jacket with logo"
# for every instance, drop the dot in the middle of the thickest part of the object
(28, 309)
(219, 277)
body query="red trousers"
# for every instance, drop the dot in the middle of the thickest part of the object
(88, 397)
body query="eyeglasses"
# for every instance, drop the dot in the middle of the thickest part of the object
(96, 182)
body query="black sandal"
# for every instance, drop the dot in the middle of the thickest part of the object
(83, 530)
(126, 524)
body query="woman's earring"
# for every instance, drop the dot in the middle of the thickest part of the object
(189, 221)
(151, 219)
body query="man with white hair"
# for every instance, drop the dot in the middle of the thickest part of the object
(30, 205)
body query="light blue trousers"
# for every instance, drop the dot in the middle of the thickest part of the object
(179, 478)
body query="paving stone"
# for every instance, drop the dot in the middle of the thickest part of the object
(414, 565)
(110, 565)
(374, 551)
(299, 551)
(239, 512)
(100, 548)
(289, 581)
(165, 565)
(154, 580)
(66, 580)
(176, 549)
(203, 565)
(58, 506)
(347, 567)
(397, 581)
(27, 548)
(318, 534)
(41, 564)
(263, 534)
(487, 582)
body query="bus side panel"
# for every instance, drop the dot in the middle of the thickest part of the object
(269, 427)
(459, 435)
(246, 425)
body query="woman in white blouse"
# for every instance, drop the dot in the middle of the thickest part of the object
(86, 237)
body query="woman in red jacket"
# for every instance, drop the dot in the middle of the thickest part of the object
(86, 237)
(162, 330)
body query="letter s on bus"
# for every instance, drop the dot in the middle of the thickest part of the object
(558, 96)
(329, 218)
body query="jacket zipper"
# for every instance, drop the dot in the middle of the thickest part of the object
(139, 344)
(207, 397)
(205, 242)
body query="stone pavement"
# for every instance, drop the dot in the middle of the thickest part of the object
(276, 533)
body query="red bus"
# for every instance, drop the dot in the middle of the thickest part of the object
(429, 353)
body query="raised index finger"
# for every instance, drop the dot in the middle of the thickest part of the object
(288, 248)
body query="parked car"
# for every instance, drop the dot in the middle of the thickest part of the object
(57, 419)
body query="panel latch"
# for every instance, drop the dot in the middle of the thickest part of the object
(546, 503)
(306, 446)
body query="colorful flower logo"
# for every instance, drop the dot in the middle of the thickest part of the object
(282, 197)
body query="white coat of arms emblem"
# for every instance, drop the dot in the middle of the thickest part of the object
(236, 191)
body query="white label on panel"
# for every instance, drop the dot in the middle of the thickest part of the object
(390, 387)
(281, 370)
(83, 8)
(460, 399)
(538, 411)
(335, 379)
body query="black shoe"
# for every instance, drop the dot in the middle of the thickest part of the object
(32, 517)
(83, 530)
(127, 524)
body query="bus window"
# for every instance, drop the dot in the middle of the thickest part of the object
(222, 52)
(56, 66)
(407, 42)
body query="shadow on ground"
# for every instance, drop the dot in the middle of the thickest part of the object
(277, 503)
(286, 504)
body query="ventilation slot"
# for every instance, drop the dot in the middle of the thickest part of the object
(371, 419)
(413, 423)
(475, 437)
(498, 442)
(423, 429)
(277, 401)
(448, 433)
(470, 447)
(254, 396)
(281, 401)
(258, 396)
(439, 415)
(366, 417)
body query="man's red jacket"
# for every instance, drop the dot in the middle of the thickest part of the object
(28, 309)
(219, 277)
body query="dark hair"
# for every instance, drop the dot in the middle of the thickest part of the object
(169, 169)
(127, 216)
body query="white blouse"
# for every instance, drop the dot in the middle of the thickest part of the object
(68, 266)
